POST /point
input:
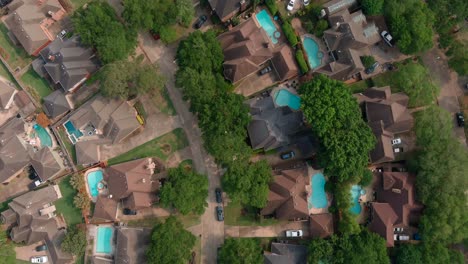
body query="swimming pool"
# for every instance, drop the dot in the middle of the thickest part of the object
(313, 54)
(72, 131)
(104, 240)
(267, 24)
(43, 135)
(355, 194)
(284, 97)
(94, 178)
(318, 198)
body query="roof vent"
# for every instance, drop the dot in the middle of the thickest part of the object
(395, 190)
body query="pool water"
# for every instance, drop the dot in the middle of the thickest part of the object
(312, 50)
(318, 198)
(355, 194)
(104, 240)
(72, 130)
(94, 178)
(286, 98)
(43, 135)
(267, 24)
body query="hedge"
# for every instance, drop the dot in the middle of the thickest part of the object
(289, 33)
(271, 4)
(301, 61)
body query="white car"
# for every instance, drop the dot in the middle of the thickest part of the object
(294, 233)
(387, 37)
(306, 2)
(39, 259)
(290, 6)
(396, 141)
(398, 150)
(398, 229)
(401, 237)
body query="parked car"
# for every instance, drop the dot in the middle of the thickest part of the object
(219, 195)
(396, 141)
(40, 259)
(128, 211)
(62, 34)
(287, 155)
(398, 229)
(4, 2)
(398, 150)
(460, 119)
(387, 38)
(306, 2)
(294, 233)
(219, 213)
(200, 21)
(155, 35)
(41, 248)
(401, 237)
(265, 70)
(372, 68)
(38, 182)
(290, 6)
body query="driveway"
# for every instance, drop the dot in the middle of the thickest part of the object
(266, 231)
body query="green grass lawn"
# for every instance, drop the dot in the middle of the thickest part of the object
(161, 147)
(162, 101)
(68, 145)
(359, 87)
(15, 56)
(65, 204)
(6, 74)
(233, 216)
(37, 86)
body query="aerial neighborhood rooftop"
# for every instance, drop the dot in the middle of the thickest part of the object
(233, 131)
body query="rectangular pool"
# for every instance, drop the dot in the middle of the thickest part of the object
(267, 24)
(72, 130)
(104, 240)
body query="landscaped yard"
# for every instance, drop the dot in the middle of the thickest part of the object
(162, 101)
(15, 56)
(359, 87)
(65, 205)
(233, 216)
(161, 147)
(37, 86)
(68, 145)
(5, 73)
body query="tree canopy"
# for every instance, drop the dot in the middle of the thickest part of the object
(124, 79)
(372, 7)
(410, 23)
(185, 190)
(427, 253)
(170, 243)
(98, 26)
(240, 251)
(74, 242)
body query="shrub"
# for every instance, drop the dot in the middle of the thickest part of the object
(289, 33)
(168, 34)
(367, 61)
(366, 178)
(320, 27)
(271, 4)
(301, 61)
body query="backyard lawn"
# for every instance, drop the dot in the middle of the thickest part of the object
(233, 216)
(65, 205)
(37, 86)
(161, 147)
(15, 56)
(68, 145)
(162, 102)
(5, 73)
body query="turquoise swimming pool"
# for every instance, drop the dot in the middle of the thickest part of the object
(72, 131)
(313, 54)
(318, 198)
(46, 140)
(355, 194)
(267, 24)
(104, 240)
(94, 178)
(284, 97)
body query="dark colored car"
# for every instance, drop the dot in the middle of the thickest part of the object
(287, 155)
(41, 248)
(219, 213)
(460, 119)
(4, 2)
(372, 68)
(265, 70)
(200, 21)
(155, 35)
(128, 211)
(219, 195)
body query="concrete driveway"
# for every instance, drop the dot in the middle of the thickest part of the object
(267, 231)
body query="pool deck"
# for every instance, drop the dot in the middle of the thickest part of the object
(313, 210)
(36, 141)
(85, 175)
(325, 59)
(92, 232)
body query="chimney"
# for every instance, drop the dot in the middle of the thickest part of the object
(51, 57)
(337, 25)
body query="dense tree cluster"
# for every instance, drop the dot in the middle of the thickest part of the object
(185, 190)
(410, 24)
(363, 247)
(74, 242)
(447, 15)
(99, 27)
(427, 253)
(372, 7)
(170, 243)
(240, 251)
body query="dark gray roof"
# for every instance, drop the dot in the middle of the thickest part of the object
(14, 155)
(131, 245)
(45, 164)
(55, 104)
(6, 92)
(286, 254)
(224, 8)
(87, 151)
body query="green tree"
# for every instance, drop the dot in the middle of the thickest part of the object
(364, 247)
(168, 34)
(185, 12)
(367, 61)
(458, 57)
(241, 251)
(170, 243)
(77, 181)
(98, 26)
(366, 179)
(372, 7)
(74, 242)
(319, 251)
(320, 27)
(185, 190)
(410, 24)
(248, 183)
(7, 249)
(82, 201)
(409, 254)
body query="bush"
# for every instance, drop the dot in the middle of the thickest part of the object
(320, 27)
(74, 242)
(289, 33)
(168, 34)
(301, 61)
(366, 178)
(372, 7)
(271, 4)
(367, 61)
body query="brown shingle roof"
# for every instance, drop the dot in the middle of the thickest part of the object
(321, 225)
(383, 221)
(105, 209)
(383, 150)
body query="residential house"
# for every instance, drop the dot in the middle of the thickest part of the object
(247, 49)
(348, 38)
(281, 253)
(88, 152)
(56, 104)
(32, 218)
(321, 225)
(387, 114)
(395, 204)
(334, 6)
(7, 95)
(66, 63)
(287, 199)
(24, 103)
(227, 9)
(131, 245)
(30, 21)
